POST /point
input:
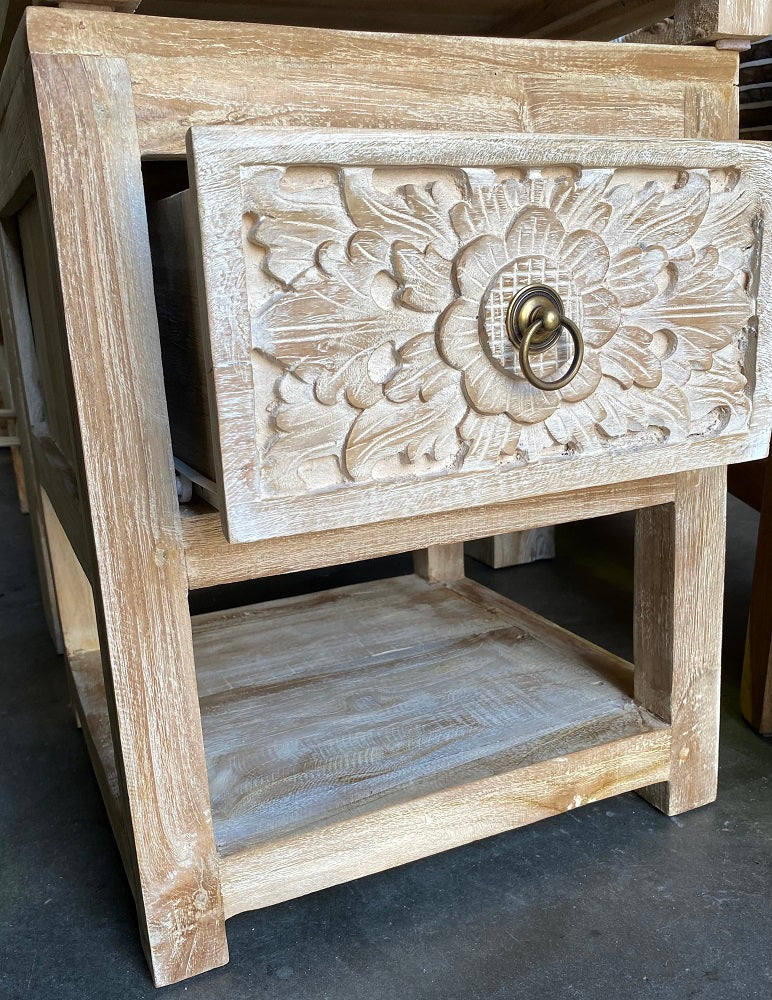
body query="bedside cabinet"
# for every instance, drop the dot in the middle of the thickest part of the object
(371, 293)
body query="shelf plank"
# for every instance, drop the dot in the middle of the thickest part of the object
(353, 848)
(401, 708)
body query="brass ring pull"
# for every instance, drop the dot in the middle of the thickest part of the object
(573, 368)
(534, 321)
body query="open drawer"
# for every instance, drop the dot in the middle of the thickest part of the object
(387, 320)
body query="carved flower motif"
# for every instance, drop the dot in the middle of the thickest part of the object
(386, 323)
(535, 250)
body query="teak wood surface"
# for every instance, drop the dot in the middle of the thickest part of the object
(84, 99)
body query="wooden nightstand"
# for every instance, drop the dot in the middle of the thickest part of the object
(322, 234)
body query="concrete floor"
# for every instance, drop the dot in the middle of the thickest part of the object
(613, 900)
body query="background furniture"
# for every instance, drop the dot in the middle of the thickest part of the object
(96, 110)
(752, 482)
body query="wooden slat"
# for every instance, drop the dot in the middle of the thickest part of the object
(212, 560)
(73, 591)
(95, 201)
(91, 707)
(586, 19)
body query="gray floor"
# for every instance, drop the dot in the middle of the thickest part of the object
(613, 900)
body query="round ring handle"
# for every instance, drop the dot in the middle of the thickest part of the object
(573, 368)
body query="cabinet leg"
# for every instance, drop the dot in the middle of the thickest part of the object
(91, 159)
(679, 580)
(440, 563)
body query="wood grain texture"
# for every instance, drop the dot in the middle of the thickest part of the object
(440, 563)
(75, 600)
(756, 689)
(212, 560)
(327, 258)
(365, 707)
(709, 20)
(92, 160)
(604, 20)
(338, 853)
(189, 73)
(679, 580)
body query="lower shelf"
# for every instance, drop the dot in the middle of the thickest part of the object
(360, 728)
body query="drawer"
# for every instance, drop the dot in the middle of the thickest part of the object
(365, 298)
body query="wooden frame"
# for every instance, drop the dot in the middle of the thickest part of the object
(74, 128)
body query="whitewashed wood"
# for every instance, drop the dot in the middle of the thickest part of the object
(711, 20)
(366, 707)
(320, 289)
(75, 600)
(90, 160)
(522, 17)
(679, 581)
(211, 560)
(316, 859)
(440, 563)
(188, 73)
(372, 694)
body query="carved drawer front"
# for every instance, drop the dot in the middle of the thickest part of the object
(359, 290)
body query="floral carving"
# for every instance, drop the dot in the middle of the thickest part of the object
(382, 304)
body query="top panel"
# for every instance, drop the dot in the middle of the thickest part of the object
(358, 292)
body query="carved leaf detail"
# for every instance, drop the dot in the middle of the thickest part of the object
(488, 212)
(389, 436)
(341, 307)
(655, 216)
(706, 306)
(413, 213)
(424, 277)
(292, 224)
(305, 451)
(388, 315)
(490, 439)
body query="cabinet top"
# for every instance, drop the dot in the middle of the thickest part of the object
(588, 20)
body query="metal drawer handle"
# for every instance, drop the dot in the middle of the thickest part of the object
(535, 319)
